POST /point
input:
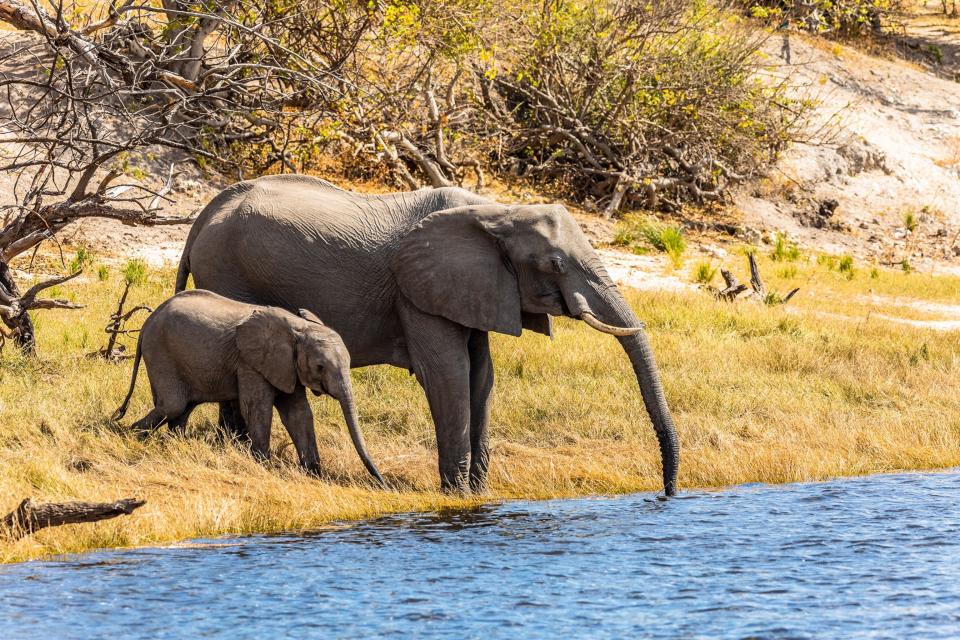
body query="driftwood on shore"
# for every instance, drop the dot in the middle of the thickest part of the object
(29, 518)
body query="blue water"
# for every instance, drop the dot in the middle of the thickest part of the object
(875, 557)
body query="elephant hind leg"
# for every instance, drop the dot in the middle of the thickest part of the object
(481, 385)
(230, 422)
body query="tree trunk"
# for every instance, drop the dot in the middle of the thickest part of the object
(21, 325)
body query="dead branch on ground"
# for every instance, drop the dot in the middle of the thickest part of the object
(28, 518)
(757, 290)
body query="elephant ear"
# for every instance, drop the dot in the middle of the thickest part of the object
(450, 265)
(266, 342)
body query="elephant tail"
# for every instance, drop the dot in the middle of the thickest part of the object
(122, 411)
(183, 271)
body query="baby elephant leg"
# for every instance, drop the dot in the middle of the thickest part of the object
(148, 423)
(178, 425)
(297, 417)
(256, 407)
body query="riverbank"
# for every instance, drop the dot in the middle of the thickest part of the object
(759, 394)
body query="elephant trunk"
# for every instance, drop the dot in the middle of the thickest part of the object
(641, 357)
(610, 304)
(350, 415)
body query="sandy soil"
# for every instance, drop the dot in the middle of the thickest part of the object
(893, 133)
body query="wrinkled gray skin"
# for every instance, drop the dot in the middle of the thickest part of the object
(417, 280)
(201, 347)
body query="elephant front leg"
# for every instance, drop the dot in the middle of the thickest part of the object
(256, 407)
(481, 385)
(440, 360)
(449, 401)
(297, 417)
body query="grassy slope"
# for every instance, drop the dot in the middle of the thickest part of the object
(759, 394)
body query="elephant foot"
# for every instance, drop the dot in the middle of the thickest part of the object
(459, 489)
(313, 470)
(478, 487)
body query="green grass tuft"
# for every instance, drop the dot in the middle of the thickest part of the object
(705, 273)
(784, 250)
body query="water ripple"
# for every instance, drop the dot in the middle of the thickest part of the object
(873, 557)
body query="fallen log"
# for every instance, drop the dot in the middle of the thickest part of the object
(29, 518)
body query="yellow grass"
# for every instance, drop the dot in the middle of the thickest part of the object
(758, 394)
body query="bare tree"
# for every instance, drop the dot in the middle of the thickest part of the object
(84, 95)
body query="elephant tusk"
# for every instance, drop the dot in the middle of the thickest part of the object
(593, 322)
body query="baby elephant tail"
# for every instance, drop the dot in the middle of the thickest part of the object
(119, 413)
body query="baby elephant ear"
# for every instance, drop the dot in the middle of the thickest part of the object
(309, 316)
(266, 343)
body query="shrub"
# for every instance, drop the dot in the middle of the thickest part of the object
(665, 238)
(788, 273)
(705, 273)
(622, 103)
(845, 18)
(910, 221)
(828, 261)
(135, 272)
(662, 237)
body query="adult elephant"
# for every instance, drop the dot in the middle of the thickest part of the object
(418, 280)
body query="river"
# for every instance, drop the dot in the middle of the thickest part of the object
(871, 557)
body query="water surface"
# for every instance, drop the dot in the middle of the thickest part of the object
(874, 557)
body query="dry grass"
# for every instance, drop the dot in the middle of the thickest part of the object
(759, 395)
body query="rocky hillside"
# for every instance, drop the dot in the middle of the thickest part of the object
(884, 182)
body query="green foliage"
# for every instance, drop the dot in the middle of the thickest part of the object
(103, 273)
(910, 221)
(874, 273)
(677, 98)
(82, 259)
(841, 17)
(135, 272)
(788, 273)
(905, 266)
(784, 250)
(662, 237)
(705, 273)
(846, 266)
(828, 261)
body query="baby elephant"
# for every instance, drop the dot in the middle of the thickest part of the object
(201, 347)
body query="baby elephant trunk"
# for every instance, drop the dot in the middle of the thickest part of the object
(350, 415)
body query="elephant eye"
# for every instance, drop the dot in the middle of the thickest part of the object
(558, 264)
